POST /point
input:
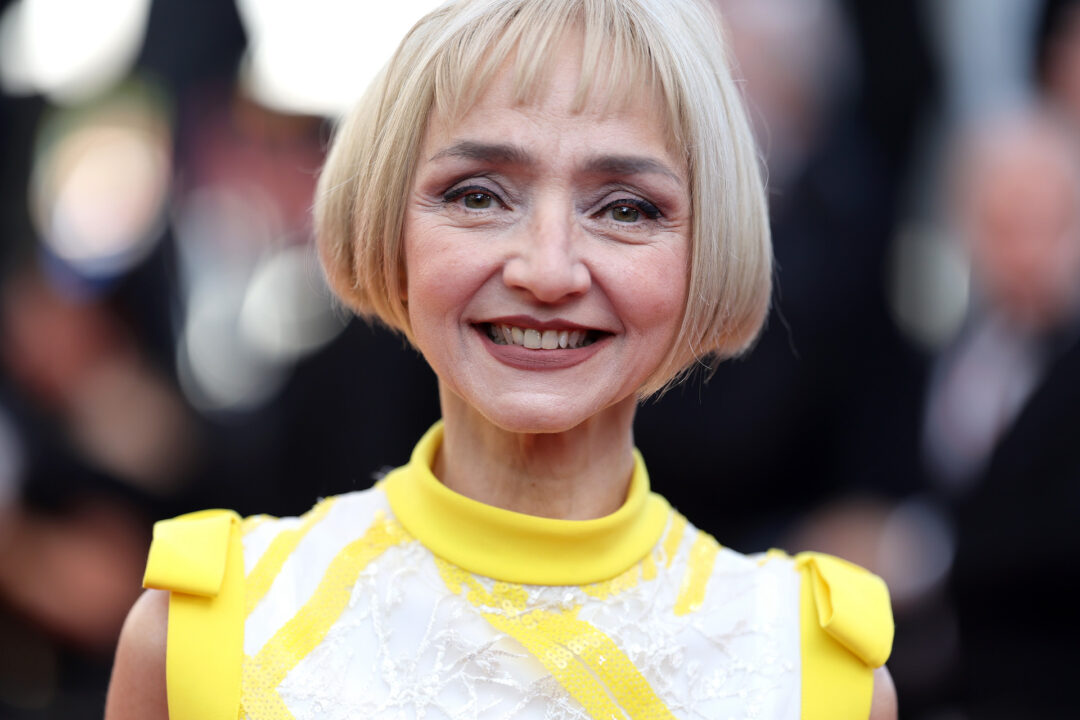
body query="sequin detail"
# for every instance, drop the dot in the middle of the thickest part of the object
(674, 537)
(298, 637)
(698, 571)
(644, 570)
(583, 659)
(620, 583)
(258, 581)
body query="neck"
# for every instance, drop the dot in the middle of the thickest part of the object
(579, 474)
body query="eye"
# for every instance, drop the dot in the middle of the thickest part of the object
(627, 210)
(473, 197)
(625, 213)
(476, 201)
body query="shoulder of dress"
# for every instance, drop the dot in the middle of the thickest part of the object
(358, 504)
(337, 515)
(849, 604)
(198, 558)
(188, 553)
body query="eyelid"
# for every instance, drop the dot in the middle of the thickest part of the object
(458, 192)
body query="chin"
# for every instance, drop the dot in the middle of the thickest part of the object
(547, 416)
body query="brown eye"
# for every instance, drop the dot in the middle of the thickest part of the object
(625, 213)
(477, 201)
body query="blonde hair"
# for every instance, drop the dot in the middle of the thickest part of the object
(444, 63)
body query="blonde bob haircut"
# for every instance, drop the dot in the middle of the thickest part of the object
(676, 47)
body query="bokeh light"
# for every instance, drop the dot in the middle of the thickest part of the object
(317, 57)
(100, 182)
(69, 51)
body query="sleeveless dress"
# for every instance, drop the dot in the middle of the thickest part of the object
(411, 601)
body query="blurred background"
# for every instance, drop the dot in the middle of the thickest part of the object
(167, 342)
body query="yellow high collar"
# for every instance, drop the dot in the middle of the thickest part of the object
(515, 547)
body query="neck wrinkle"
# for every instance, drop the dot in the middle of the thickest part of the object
(580, 474)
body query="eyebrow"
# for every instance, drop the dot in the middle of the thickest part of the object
(508, 154)
(503, 154)
(628, 165)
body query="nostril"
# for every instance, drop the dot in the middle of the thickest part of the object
(548, 282)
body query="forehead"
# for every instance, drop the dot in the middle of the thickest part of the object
(553, 113)
(601, 66)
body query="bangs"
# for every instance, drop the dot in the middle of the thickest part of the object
(618, 63)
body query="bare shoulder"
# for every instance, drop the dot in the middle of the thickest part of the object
(137, 688)
(883, 704)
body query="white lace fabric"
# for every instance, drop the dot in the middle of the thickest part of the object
(353, 618)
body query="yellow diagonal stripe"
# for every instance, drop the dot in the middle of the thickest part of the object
(698, 570)
(303, 633)
(532, 630)
(584, 660)
(644, 570)
(251, 522)
(604, 658)
(674, 537)
(618, 584)
(258, 581)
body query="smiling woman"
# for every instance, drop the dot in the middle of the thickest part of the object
(558, 202)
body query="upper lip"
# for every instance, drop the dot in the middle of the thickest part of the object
(527, 321)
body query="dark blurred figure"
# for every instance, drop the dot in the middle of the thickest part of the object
(801, 418)
(1056, 57)
(1003, 419)
(95, 436)
(982, 560)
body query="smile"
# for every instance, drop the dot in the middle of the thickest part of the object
(535, 339)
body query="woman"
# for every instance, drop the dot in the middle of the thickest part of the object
(558, 202)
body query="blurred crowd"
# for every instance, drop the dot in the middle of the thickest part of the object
(167, 342)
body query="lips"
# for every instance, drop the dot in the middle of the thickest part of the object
(529, 344)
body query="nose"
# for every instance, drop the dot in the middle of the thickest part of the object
(546, 261)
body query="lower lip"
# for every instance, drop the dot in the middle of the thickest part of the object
(522, 358)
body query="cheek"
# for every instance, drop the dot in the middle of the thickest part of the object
(430, 264)
(655, 290)
(443, 272)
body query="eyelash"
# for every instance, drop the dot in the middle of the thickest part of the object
(646, 208)
(452, 196)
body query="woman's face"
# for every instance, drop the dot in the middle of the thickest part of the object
(547, 253)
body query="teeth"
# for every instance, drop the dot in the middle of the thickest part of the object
(534, 339)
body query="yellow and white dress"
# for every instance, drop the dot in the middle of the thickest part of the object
(411, 601)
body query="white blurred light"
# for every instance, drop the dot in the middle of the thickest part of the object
(218, 369)
(317, 57)
(287, 310)
(99, 195)
(69, 50)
